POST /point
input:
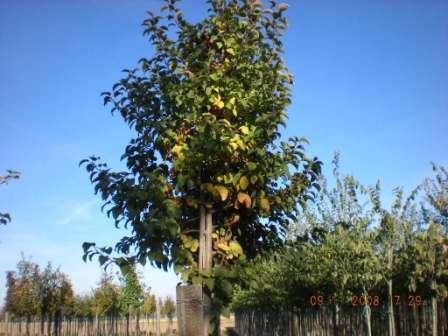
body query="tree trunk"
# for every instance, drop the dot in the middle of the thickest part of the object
(127, 323)
(170, 325)
(28, 322)
(137, 322)
(206, 263)
(57, 322)
(434, 309)
(42, 324)
(336, 319)
(49, 325)
(157, 319)
(390, 303)
(97, 322)
(390, 309)
(367, 321)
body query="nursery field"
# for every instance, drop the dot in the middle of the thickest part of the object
(86, 327)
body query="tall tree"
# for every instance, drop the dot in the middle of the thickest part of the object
(331, 253)
(32, 292)
(429, 246)
(132, 296)
(55, 295)
(10, 175)
(208, 181)
(21, 299)
(436, 196)
(394, 227)
(341, 224)
(149, 305)
(168, 309)
(83, 306)
(106, 300)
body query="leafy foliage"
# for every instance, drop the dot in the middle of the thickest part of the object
(436, 192)
(348, 244)
(132, 296)
(149, 303)
(334, 256)
(168, 307)
(31, 291)
(10, 175)
(106, 297)
(206, 110)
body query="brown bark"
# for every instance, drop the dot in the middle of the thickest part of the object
(434, 310)
(390, 309)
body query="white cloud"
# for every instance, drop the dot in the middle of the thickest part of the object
(79, 212)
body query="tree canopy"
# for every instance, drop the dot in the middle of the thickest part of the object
(206, 110)
(348, 244)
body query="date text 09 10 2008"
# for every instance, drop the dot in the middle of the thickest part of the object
(370, 300)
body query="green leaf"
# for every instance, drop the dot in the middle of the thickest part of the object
(264, 204)
(210, 283)
(244, 182)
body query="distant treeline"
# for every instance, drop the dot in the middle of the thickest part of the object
(349, 250)
(46, 295)
(101, 326)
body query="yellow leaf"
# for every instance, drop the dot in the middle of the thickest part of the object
(244, 130)
(223, 192)
(194, 246)
(241, 144)
(230, 51)
(244, 182)
(233, 145)
(218, 102)
(223, 246)
(235, 248)
(177, 150)
(245, 199)
(264, 204)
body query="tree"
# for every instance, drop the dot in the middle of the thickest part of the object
(106, 299)
(83, 306)
(55, 296)
(436, 195)
(427, 254)
(395, 229)
(341, 225)
(331, 253)
(168, 308)
(21, 299)
(149, 304)
(208, 181)
(132, 297)
(430, 272)
(10, 175)
(32, 292)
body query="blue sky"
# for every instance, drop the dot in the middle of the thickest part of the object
(371, 80)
